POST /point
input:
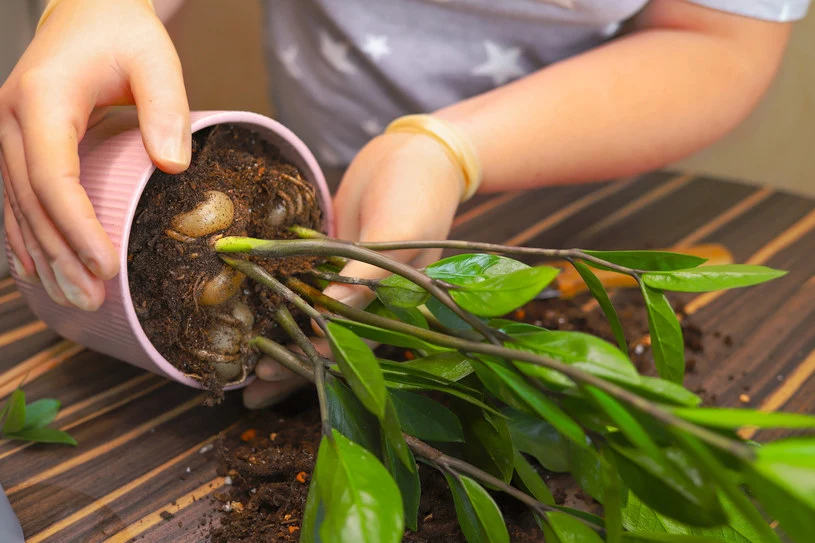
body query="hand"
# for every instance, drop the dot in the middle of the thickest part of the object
(88, 54)
(400, 187)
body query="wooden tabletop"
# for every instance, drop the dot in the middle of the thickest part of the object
(142, 440)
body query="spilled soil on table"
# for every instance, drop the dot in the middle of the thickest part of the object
(170, 273)
(270, 466)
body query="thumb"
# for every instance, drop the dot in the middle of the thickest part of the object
(157, 85)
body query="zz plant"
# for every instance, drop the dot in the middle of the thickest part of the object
(517, 395)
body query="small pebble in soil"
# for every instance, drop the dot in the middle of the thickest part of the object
(228, 480)
(188, 470)
(206, 448)
(166, 515)
(744, 398)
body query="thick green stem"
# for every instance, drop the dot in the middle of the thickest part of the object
(337, 278)
(712, 438)
(326, 247)
(287, 322)
(284, 356)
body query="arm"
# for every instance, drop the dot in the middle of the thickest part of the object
(683, 78)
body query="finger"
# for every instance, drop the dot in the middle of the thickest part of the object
(62, 273)
(51, 196)
(262, 394)
(157, 84)
(269, 369)
(23, 267)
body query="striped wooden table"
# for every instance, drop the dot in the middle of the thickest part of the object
(142, 439)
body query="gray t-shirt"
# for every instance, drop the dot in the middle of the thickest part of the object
(343, 69)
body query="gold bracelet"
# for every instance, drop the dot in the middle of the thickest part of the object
(455, 143)
(49, 9)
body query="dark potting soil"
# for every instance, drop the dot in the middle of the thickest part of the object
(167, 275)
(270, 467)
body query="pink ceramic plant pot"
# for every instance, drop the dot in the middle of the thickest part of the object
(114, 171)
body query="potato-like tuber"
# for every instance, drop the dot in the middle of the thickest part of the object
(225, 339)
(277, 214)
(215, 213)
(244, 315)
(228, 371)
(221, 288)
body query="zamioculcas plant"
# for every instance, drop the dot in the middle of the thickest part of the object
(517, 395)
(22, 422)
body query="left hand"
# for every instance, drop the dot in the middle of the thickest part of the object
(400, 187)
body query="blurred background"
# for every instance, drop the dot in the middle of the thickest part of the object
(221, 47)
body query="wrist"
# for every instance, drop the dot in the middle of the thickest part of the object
(53, 4)
(449, 138)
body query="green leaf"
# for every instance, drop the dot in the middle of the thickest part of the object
(488, 443)
(528, 479)
(499, 295)
(361, 501)
(593, 353)
(729, 418)
(646, 260)
(669, 490)
(613, 494)
(359, 367)
(446, 317)
(666, 336)
(571, 530)
(599, 292)
(43, 435)
(401, 381)
(407, 315)
(15, 413)
(661, 390)
(708, 278)
(380, 335)
(540, 404)
(471, 268)
(783, 479)
(408, 482)
(478, 514)
(586, 466)
(539, 439)
(348, 416)
(450, 365)
(396, 291)
(426, 419)
(392, 430)
(314, 513)
(626, 423)
(41, 413)
(669, 538)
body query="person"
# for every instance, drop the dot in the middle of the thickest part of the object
(515, 94)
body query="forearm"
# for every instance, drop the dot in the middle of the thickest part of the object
(635, 104)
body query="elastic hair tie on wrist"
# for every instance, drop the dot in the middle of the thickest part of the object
(457, 145)
(49, 9)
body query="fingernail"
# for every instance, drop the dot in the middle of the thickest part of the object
(72, 292)
(21, 272)
(176, 148)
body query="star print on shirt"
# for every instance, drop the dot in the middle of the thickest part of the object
(376, 46)
(289, 59)
(371, 127)
(336, 54)
(502, 63)
(328, 155)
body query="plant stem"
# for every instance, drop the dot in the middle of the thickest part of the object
(287, 322)
(712, 438)
(326, 247)
(337, 278)
(284, 356)
(253, 271)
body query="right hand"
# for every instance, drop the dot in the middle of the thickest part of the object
(87, 54)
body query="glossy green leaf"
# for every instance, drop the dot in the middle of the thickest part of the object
(783, 479)
(41, 413)
(478, 514)
(626, 423)
(359, 367)
(407, 479)
(529, 480)
(361, 500)
(499, 295)
(614, 495)
(599, 292)
(15, 413)
(471, 268)
(392, 430)
(539, 439)
(488, 443)
(586, 467)
(446, 317)
(728, 418)
(708, 278)
(661, 390)
(669, 490)
(426, 419)
(450, 365)
(647, 260)
(396, 291)
(388, 337)
(407, 315)
(348, 416)
(541, 405)
(401, 381)
(314, 512)
(667, 343)
(669, 538)
(43, 435)
(570, 529)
